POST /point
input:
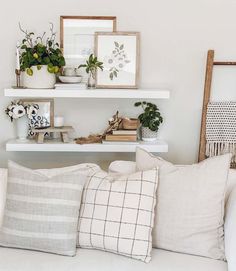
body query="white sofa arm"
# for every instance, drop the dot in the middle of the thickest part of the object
(230, 231)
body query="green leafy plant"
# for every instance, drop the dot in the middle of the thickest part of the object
(92, 64)
(38, 51)
(151, 117)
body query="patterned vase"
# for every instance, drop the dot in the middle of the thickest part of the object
(148, 135)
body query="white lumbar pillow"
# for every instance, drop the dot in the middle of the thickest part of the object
(3, 191)
(84, 168)
(190, 209)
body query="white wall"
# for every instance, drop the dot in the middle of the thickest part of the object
(175, 36)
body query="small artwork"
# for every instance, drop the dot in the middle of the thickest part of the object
(41, 114)
(119, 52)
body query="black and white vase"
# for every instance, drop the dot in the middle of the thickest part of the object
(148, 135)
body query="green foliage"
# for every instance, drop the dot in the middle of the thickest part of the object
(92, 64)
(151, 117)
(38, 51)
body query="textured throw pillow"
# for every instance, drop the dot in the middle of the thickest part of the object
(84, 168)
(117, 213)
(190, 209)
(3, 189)
(41, 213)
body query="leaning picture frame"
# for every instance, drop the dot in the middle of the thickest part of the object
(120, 53)
(43, 115)
(77, 37)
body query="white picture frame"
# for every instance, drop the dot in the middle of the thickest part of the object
(119, 52)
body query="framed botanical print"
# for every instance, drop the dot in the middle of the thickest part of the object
(77, 37)
(40, 114)
(119, 52)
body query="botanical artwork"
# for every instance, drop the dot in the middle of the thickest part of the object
(117, 60)
(119, 51)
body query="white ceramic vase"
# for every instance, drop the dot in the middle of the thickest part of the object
(22, 128)
(40, 78)
(148, 135)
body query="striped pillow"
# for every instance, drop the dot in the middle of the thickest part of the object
(41, 213)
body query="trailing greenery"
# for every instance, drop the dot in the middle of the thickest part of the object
(151, 117)
(92, 64)
(38, 51)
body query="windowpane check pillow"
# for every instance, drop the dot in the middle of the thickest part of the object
(117, 213)
(190, 211)
(41, 213)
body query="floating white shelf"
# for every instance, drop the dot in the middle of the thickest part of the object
(87, 93)
(54, 146)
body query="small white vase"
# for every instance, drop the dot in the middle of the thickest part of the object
(40, 78)
(22, 128)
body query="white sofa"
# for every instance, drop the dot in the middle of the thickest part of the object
(91, 260)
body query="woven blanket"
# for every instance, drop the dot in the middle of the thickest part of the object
(221, 129)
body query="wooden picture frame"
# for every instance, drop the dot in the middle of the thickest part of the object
(80, 31)
(129, 64)
(50, 112)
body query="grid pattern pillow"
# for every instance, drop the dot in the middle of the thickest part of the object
(117, 213)
(41, 213)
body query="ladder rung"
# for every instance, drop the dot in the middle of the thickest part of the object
(226, 63)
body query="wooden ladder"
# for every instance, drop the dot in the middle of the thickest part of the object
(207, 93)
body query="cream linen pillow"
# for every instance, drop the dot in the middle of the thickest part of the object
(190, 208)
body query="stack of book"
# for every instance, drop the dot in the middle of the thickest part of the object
(64, 86)
(121, 136)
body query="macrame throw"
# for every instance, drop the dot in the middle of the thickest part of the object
(221, 129)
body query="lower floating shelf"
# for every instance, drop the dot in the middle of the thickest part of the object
(56, 146)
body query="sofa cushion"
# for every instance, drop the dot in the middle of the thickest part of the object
(84, 168)
(117, 213)
(92, 260)
(41, 213)
(190, 210)
(3, 190)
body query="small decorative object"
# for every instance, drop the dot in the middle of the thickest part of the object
(58, 121)
(120, 53)
(91, 67)
(20, 111)
(40, 133)
(114, 123)
(150, 120)
(41, 114)
(70, 79)
(91, 139)
(17, 69)
(77, 37)
(40, 59)
(130, 124)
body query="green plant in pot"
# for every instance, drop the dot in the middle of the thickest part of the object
(40, 59)
(150, 120)
(91, 66)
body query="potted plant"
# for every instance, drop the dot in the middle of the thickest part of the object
(91, 66)
(40, 59)
(20, 112)
(150, 120)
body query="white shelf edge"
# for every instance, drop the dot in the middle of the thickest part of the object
(86, 93)
(31, 146)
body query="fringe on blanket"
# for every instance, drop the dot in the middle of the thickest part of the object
(219, 148)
